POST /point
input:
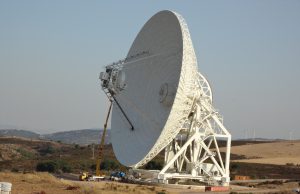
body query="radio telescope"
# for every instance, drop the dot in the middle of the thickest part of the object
(161, 102)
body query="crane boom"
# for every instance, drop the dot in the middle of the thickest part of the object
(100, 152)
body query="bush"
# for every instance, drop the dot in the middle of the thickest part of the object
(66, 168)
(47, 150)
(63, 165)
(154, 165)
(93, 167)
(49, 166)
(109, 165)
(25, 153)
(14, 170)
(54, 166)
(234, 166)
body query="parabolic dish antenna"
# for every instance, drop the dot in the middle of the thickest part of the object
(159, 95)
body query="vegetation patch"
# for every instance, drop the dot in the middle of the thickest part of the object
(54, 166)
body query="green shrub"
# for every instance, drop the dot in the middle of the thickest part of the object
(93, 167)
(109, 165)
(47, 150)
(48, 166)
(66, 168)
(154, 165)
(54, 166)
(25, 153)
(234, 166)
(14, 170)
(63, 165)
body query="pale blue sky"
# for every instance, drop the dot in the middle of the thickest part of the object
(51, 53)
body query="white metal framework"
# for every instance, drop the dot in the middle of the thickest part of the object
(195, 153)
(167, 105)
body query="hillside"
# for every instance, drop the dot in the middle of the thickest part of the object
(20, 154)
(81, 137)
(19, 133)
(279, 152)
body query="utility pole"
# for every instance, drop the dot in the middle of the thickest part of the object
(93, 151)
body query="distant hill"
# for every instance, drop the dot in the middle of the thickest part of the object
(90, 136)
(19, 133)
(81, 137)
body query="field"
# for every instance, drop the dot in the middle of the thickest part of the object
(45, 183)
(260, 160)
(279, 153)
(20, 158)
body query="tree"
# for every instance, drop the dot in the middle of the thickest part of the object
(54, 166)
(109, 165)
(154, 165)
(48, 166)
(47, 150)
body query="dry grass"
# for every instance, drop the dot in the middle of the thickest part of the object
(36, 183)
(279, 153)
(267, 187)
(45, 183)
(277, 160)
(118, 188)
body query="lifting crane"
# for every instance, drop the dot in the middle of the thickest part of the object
(101, 146)
(85, 176)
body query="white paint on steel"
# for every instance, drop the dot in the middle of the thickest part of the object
(166, 38)
(163, 95)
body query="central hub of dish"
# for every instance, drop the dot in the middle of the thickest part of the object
(166, 94)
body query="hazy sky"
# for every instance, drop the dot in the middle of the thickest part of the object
(51, 53)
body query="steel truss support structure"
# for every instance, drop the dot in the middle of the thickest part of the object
(195, 153)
